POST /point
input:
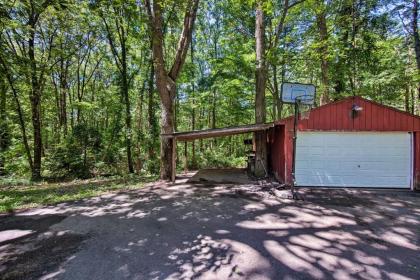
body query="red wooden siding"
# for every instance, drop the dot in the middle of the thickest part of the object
(277, 151)
(337, 116)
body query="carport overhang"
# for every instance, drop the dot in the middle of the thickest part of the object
(185, 136)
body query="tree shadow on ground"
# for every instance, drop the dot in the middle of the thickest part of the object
(205, 231)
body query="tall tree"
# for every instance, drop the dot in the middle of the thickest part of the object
(281, 13)
(6, 70)
(260, 84)
(118, 43)
(321, 22)
(346, 47)
(416, 39)
(166, 80)
(153, 125)
(32, 52)
(60, 73)
(4, 127)
(415, 32)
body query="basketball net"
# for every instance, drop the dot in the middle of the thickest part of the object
(305, 111)
(304, 108)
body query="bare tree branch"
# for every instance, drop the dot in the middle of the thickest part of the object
(117, 59)
(280, 25)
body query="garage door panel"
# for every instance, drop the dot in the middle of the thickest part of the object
(351, 181)
(353, 159)
(362, 174)
(336, 163)
(332, 151)
(316, 140)
(379, 151)
(314, 151)
(304, 165)
(322, 173)
(384, 167)
(321, 180)
(386, 182)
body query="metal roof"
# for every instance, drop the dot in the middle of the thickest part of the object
(218, 132)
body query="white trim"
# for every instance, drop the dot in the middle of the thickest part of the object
(412, 149)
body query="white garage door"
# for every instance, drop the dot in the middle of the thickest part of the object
(353, 159)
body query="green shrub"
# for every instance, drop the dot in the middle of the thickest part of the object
(75, 157)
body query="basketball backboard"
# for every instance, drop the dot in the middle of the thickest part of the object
(291, 92)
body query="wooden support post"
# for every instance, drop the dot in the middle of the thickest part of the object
(173, 160)
(185, 157)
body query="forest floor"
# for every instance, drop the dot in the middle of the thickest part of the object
(207, 230)
(23, 195)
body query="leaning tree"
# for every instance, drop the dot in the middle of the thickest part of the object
(166, 79)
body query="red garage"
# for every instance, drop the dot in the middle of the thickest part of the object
(373, 146)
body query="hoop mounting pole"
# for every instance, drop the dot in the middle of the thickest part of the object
(294, 146)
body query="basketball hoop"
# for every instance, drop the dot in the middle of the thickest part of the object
(292, 93)
(302, 96)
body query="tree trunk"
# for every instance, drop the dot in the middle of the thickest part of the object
(121, 62)
(413, 100)
(128, 133)
(213, 109)
(167, 127)
(64, 66)
(416, 39)
(139, 127)
(166, 80)
(260, 83)
(79, 97)
(416, 32)
(57, 127)
(151, 116)
(354, 29)
(36, 123)
(323, 35)
(193, 121)
(125, 92)
(19, 112)
(193, 162)
(35, 99)
(407, 98)
(4, 131)
(277, 99)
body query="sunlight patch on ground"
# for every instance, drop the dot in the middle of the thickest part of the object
(6, 235)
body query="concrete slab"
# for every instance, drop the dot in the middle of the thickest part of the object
(222, 175)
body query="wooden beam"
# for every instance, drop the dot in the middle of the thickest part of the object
(218, 132)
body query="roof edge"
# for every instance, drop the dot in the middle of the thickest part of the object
(218, 132)
(282, 121)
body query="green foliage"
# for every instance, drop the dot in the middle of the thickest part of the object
(83, 106)
(76, 156)
(219, 159)
(15, 196)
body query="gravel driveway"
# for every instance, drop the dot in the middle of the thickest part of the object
(217, 231)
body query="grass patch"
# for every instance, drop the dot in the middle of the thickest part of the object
(15, 197)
